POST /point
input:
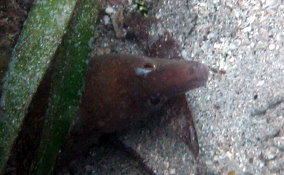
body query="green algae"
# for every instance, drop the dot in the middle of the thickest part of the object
(40, 38)
(72, 57)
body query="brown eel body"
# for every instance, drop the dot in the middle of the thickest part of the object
(122, 90)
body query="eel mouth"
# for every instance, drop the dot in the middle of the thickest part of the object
(199, 74)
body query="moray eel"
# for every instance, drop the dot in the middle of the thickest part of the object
(121, 90)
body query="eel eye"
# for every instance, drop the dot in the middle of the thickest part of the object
(157, 100)
(154, 100)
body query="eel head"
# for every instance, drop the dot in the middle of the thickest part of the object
(121, 90)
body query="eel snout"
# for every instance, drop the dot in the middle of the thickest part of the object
(175, 77)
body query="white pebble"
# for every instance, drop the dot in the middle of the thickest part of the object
(215, 1)
(271, 46)
(109, 10)
(184, 54)
(271, 156)
(106, 20)
(217, 46)
(272, 3)
(211, 35)
(233, 46)
(202, 4)
(279, 142)
(251, 19)
(172, 171)
(247, 29)
(260, 83)
(280, 38)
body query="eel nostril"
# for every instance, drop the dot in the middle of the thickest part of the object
(149, 66)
